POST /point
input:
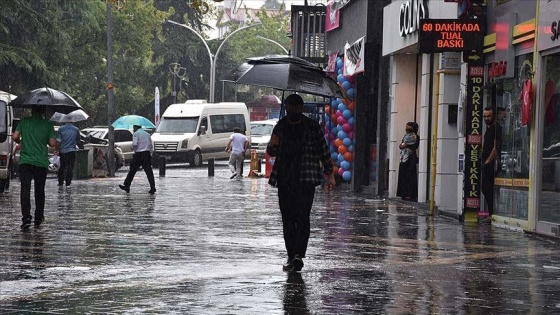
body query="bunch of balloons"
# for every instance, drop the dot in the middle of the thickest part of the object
(339, 127)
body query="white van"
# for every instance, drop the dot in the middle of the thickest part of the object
(195, 131)
(6, 142)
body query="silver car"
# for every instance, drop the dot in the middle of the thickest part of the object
(123, 139)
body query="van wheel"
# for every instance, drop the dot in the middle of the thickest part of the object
(196, 159)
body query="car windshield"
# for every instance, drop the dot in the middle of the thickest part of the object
(178, 124)
(261, 129)
(95, 133)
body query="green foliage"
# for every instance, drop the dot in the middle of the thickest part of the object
(63, 44)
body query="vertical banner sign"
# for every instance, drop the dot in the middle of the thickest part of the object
(156, 104)
(354, 58)
(473, 136)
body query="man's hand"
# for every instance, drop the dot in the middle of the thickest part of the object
(331, 182)
(274, 140)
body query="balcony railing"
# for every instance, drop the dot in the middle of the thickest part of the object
(308, 33)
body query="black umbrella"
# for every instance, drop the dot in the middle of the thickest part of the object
(286, 73)
(52, 99)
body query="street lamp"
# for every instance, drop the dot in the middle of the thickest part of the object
(274, 42)
(213, 58)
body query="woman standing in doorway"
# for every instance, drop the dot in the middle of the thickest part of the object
(407, 187)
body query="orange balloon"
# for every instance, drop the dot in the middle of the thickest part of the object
(345, 101)
(333, 118)
(348, 156)
(338, 142)
(351, 106)
(342, 149)
(327, 108)
(335, 169)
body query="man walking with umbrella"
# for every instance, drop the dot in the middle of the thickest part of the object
(34, 133)
(142, 146)
(67, 137)
(302, 157)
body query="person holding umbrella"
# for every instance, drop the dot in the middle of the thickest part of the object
(67, 137)
(302, 157)
(142, 146)
(34, 133)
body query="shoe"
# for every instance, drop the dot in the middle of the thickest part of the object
(289, 266)
(60, 185)
(25, 225)
(68, 185)
(125, 188)
(152, 191)
(232, 176)
(298, 263)
(38, 223)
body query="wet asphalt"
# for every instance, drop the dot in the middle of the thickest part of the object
(211, 245)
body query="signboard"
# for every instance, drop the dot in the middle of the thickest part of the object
(354, 57)
(441, 35)
(473, 136)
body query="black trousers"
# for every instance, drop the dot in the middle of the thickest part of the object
(27, 173)
(295, 206)
(66, 169)
(143, 159)
(487, 185)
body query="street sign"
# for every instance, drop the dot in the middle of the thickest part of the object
(440, 35)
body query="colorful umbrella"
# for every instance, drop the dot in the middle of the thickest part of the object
(126, 122)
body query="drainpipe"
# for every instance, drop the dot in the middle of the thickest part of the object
(433, 172)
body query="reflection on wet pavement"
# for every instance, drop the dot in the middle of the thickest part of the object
(205, 245)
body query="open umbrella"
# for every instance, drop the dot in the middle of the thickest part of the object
(75, 116)
(51, 99)
(128, 121)
(286, 73)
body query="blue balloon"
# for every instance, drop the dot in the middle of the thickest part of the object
(351, 92)
(340, 158)
(346, 85)
(334, 155)
(334, 130)
(342, 135)
(342, 107)
(350, 148)
(340, 78)
(347, 113)
(338, 129)
(350, 121)
(347, 176)
(345, 165)
(339, 63)
(337, 162)
(334, 102)
(339, 71)
(347, 142)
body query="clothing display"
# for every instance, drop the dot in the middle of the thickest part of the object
(526, 98)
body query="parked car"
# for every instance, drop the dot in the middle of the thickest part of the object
(260, 135)
(123, 139)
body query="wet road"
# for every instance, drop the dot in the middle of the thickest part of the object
(213, 246)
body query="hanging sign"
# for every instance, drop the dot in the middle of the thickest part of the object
(354, 58)
(473, 136)
(441, 35)
(333, 17)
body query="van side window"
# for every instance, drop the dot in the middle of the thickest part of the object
(3, 117)
(226, 123)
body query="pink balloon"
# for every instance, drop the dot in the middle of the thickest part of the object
(338, 113)
(340, 171)
(332, 137)
(341, 120)
(347, 128)
(351, 134)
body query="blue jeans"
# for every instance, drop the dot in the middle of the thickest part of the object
(28, 172)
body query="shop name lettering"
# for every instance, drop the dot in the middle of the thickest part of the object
(410, 14)
(451, 34)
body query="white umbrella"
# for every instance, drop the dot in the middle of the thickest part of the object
(75, 116)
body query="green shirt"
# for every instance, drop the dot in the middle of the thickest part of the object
(35, 134)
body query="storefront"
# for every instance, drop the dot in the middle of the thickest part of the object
(546, 159)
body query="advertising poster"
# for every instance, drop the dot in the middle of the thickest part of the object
(354, 58)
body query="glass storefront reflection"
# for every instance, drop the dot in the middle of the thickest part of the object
(550, 197)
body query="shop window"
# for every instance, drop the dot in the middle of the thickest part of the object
(550, 197)
(512, 173)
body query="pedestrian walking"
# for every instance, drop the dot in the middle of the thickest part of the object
(142, 147)
(407, 184)
(237, 145)
(301, 158)
(34, 134)
(67, 139)
(491, 148)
